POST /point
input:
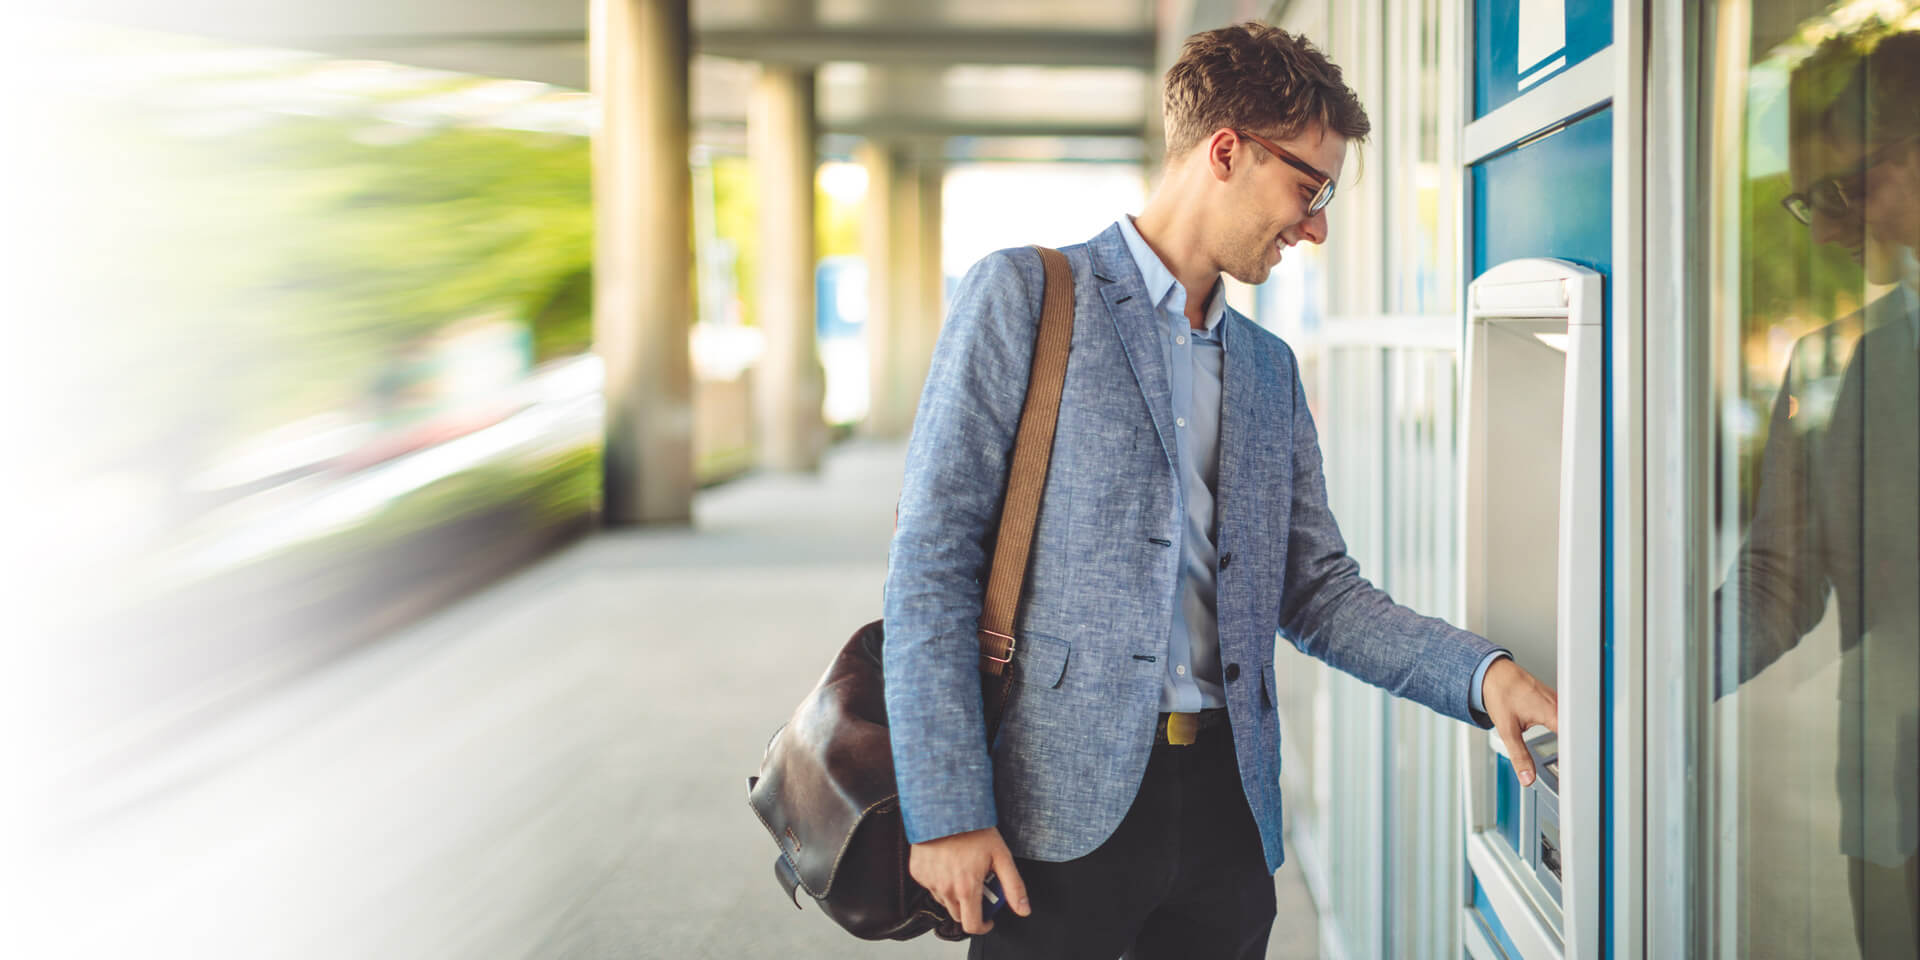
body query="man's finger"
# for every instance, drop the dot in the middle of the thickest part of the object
(1011, 886)
(969, 915)
(1518, 753)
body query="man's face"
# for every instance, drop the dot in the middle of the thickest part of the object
(1881, 212)
(1264, 199)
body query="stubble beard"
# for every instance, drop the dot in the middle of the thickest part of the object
(1257, 267)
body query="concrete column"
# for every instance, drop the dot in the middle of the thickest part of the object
(789, 385)
(643, 256)
(930, 297)
(888, 252)
(901, 244)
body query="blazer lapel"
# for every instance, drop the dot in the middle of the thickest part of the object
(1125, 296)
(1243, 400)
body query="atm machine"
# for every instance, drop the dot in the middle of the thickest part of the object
(1532, 406)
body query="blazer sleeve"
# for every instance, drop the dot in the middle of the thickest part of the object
(956, 476)
(1783, 576)
(1332, 613)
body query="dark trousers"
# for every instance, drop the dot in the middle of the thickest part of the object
(1183, 876)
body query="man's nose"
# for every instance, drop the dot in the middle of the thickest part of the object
(1315, 227)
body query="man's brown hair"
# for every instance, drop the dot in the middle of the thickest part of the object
(1259, 78)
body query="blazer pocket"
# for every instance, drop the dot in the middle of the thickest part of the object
(1040, 660)
(1269, 687)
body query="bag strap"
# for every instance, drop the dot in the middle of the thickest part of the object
(1032, 449)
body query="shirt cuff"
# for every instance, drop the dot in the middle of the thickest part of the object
(1475, 699)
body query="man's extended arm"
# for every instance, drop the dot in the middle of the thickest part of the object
(1332, 613)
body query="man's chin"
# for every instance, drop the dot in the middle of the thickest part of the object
(1254, 276)
(1881, 265)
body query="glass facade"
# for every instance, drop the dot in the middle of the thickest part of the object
(1371, 782)
(1812, 706)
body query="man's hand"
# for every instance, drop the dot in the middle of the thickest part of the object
(1515, 700)
(954, 869)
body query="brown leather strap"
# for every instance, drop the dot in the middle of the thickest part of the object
(1032, 449)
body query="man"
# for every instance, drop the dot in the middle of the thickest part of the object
(1837, 513)
(1130, 800)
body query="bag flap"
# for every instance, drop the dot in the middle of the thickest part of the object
(830, 766)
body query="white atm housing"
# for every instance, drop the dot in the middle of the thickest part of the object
(1534, 430)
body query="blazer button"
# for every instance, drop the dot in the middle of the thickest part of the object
(1233, 672)
(1225, 559)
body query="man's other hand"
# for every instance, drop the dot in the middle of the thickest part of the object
(1516, 700)
(954, 869)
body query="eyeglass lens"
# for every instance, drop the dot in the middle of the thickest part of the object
(1828, 198)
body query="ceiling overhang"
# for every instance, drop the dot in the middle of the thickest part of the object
(921, 69)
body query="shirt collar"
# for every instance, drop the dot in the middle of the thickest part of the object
(1166, 292)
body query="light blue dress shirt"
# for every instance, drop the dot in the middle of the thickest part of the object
(1194, 359)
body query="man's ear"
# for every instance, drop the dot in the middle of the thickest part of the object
(1220, 149)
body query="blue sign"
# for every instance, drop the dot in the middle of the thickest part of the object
(1518, 43)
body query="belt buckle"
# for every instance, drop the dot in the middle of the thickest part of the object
(1182, 729)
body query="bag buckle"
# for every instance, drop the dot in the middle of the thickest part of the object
(1003, 661)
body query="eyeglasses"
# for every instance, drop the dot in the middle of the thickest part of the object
(1322, 196)
(1830, 197)
(1834, 196)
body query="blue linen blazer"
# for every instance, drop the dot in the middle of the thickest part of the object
(1097, 605)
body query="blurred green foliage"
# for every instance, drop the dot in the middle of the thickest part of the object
(363, 250)
(242, 243)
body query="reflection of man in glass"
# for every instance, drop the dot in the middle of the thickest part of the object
(1838, 509)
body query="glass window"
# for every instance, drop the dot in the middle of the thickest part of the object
(1814, 503)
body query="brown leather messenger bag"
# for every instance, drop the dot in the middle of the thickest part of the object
(826, 788)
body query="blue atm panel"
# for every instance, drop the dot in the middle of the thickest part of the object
(1552, 197)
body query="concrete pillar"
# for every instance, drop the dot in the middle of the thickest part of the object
(901, 244)
(643, 257)
(930, 298)
(789, 385)
(888, 415)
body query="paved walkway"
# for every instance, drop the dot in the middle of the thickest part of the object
(553, 768)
